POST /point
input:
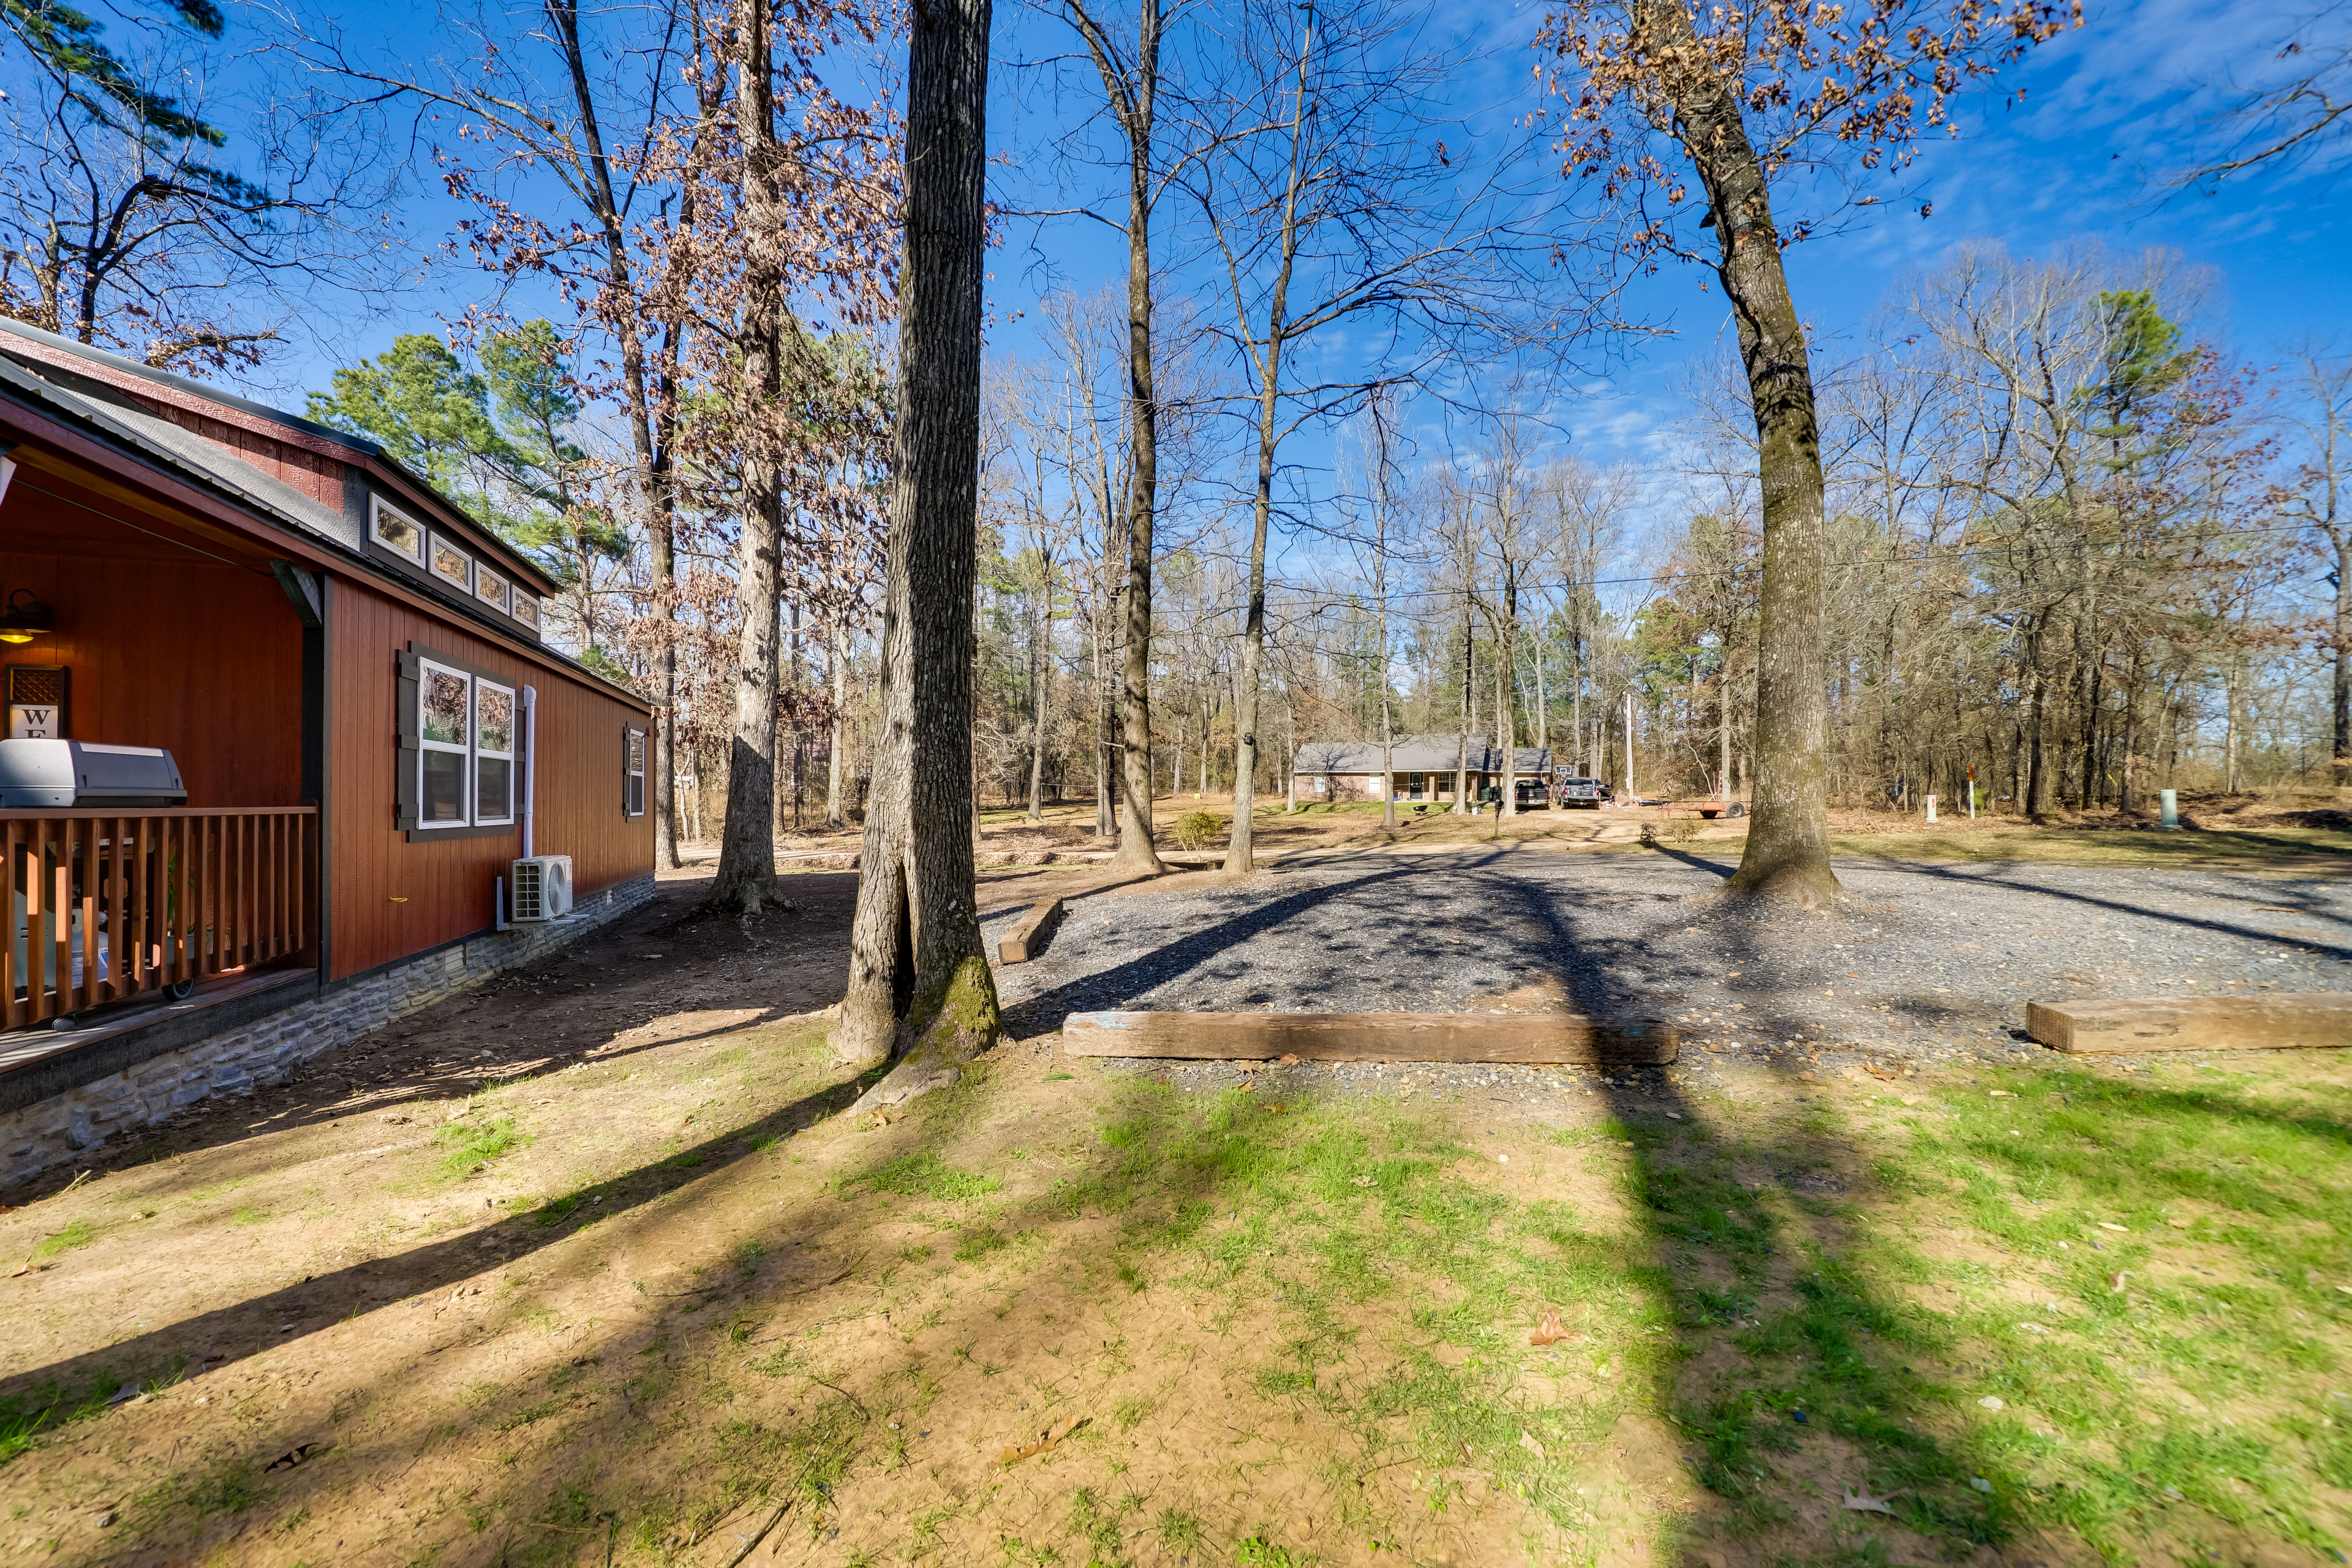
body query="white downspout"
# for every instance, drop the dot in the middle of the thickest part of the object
(530, 762)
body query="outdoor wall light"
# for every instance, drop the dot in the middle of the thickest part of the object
(25, 618)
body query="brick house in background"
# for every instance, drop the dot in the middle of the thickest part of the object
(347, 670)
(1425, 767)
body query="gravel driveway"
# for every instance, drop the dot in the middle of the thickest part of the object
(1925, 961)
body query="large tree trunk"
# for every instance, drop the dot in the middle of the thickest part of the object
(2093, 670)
(1788, 853)
(1507, 706)
(1575, 688)
(788, 679)
(1461, 759)
(1106, 710)
(881, 936)
(1041, 688)
(924, 898)
(1723, 728)
(1240, 855)
(1133, 102)
(1388, 728)
(2342, 693)
(746, 878)
(2037, 767)
(837, 662)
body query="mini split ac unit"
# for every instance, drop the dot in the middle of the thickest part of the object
(542, 887)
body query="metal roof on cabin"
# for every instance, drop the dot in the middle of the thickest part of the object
(220, 463)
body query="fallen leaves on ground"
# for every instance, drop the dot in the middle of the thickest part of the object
(1551, 1332)
(1859, 1499)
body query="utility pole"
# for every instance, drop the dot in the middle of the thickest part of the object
(1629, 742)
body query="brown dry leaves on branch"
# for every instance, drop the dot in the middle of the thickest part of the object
(1824, 86)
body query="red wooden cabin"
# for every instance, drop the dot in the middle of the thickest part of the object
(347, 669)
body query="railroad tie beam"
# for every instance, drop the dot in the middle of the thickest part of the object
(1027, 939)
(1532, 1038)
(2308, 1021)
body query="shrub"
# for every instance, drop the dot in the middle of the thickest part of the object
(1197, 829)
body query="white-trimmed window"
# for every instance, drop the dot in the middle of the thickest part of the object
(632, 771)
(444, 730)
(489, 587)
(526, 608)
(452, 566)
(395, 531)
(494, 754)
(459, 747)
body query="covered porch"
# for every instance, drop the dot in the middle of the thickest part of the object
(125, 623)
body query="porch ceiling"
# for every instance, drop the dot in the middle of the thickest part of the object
(52, 509)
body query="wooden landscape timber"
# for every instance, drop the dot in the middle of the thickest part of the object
(1026, 940)
(2309, 1021)
(1538, 1039)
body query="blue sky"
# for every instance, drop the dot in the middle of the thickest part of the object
(2105, 108)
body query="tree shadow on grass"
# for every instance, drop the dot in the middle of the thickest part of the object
(613, 954)
(1754, 1232)
(1380, 1276)
(1775, 1246)
(44, 1397)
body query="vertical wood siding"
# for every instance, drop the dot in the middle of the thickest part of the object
(448, 885)
(202, 658)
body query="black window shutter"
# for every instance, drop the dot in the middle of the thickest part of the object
(407, 805)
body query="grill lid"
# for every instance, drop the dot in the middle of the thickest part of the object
(36, 775)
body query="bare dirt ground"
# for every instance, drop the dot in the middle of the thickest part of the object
(585, 1267)
(2282, 826)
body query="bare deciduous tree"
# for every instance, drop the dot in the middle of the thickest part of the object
(2296, 115)
(181, 231)
(2315, 499)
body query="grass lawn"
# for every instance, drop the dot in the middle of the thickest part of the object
(1072, 1317)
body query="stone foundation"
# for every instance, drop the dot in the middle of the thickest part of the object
(74, 1124)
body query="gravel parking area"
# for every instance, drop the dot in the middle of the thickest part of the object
(1924, 962)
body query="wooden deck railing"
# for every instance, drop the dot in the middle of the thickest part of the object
(107, 904)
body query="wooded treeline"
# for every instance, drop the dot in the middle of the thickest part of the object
(2077, 548)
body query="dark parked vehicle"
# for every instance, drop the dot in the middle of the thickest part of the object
(1582, 792)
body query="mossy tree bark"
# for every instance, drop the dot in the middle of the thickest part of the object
(1788, 853)
(916, 954)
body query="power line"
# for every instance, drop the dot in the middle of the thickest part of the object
(1954, 552)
